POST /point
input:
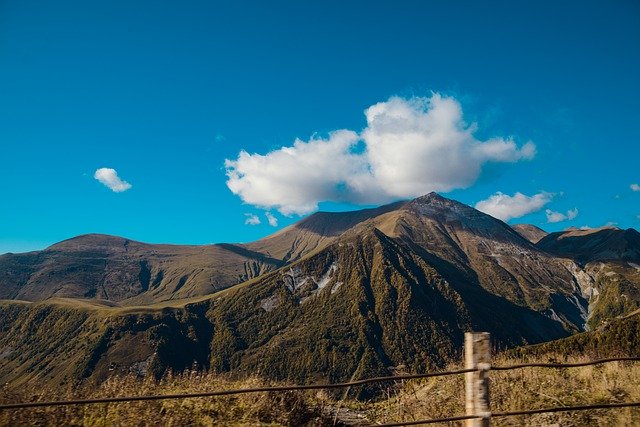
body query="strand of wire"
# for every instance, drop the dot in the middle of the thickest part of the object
(565, 365)
(229, 392)
(305, 387)
(515, 413)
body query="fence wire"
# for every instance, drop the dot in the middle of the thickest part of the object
(565, 365)
(230, 392)
(22, 405)
(514, 413)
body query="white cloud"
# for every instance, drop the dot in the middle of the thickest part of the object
(273, 221)
(109, 177)
(505, 207)
(635, 187)
(408, 148)
(553, 216)
(251, 219)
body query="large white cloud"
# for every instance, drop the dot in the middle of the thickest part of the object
(505, 207)
(409, 147)
(635, 187)
(109, 177)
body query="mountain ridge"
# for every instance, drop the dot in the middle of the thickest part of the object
(389, 286)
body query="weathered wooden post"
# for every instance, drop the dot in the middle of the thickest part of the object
(477, 355)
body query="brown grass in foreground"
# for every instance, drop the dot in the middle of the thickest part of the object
(254, 409)
(527, 388)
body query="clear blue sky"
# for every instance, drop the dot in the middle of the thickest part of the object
(164, 92)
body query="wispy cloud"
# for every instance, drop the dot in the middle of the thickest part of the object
(409, 147)
(109, 177)
(251, 219)
(553, 216)
(273, 221)
(505, 207)
(635, 187)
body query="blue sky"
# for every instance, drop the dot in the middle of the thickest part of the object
(164, 92)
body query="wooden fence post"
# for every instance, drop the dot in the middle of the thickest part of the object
(477, 355)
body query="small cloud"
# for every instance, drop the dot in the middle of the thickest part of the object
(635, 187)
(273, 221)
(219, 137)
(251, 219)
(553, 216)
(109, 177)
(505, 207)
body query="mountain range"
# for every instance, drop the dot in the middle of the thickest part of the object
(332, 297)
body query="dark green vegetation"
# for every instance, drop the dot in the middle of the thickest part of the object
(334, 297)
(617, 338)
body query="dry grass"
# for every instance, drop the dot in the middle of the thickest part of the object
(527, 388)
(255, 409)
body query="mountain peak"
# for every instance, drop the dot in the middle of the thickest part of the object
(92, 240)
(436, 206)
(431, 197)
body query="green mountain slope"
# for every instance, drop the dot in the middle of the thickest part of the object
(617, 337)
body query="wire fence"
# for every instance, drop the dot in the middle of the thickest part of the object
(24, 405)
(515, 413)
(230, 392)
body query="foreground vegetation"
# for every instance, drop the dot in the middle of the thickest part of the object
(527, 388)
(289, 408)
